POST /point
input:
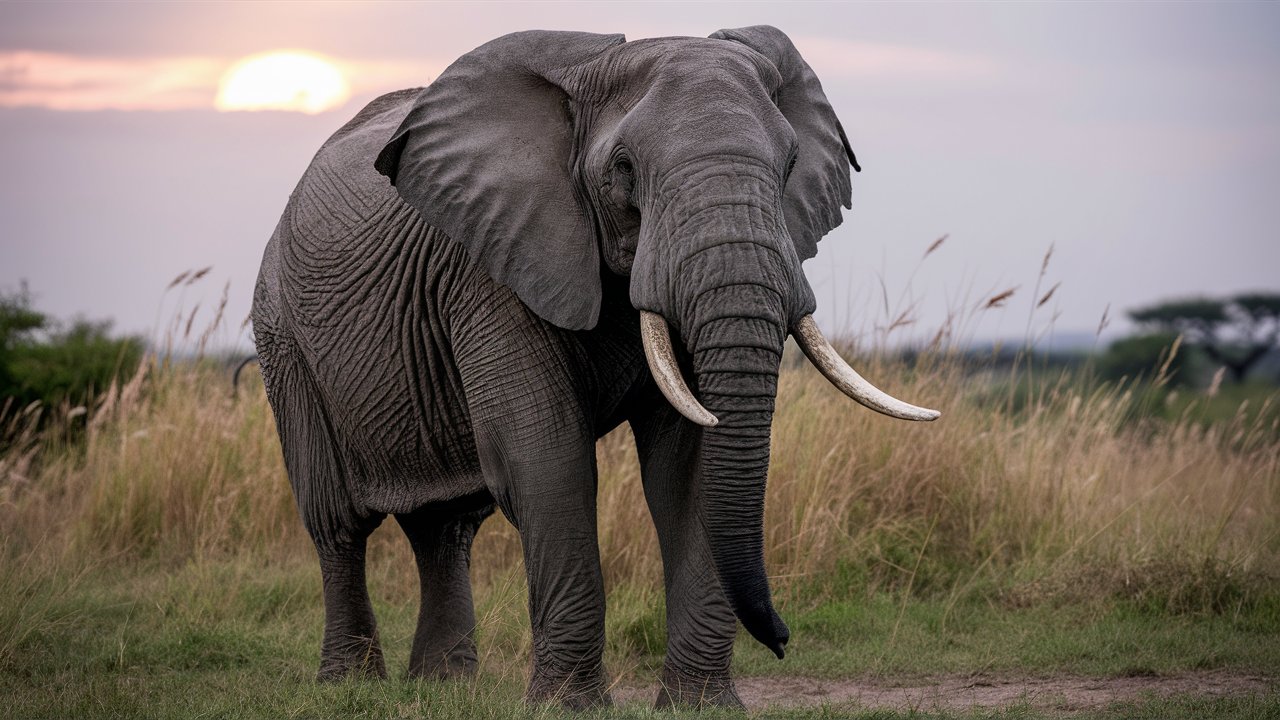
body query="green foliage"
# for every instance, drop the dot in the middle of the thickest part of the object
(1256, 404)
(72, 363)
(1143, 356)
(43, 361)
(17, 318)
(1182, 314)
(1235, 333)
(1259, 305)
(17, 323)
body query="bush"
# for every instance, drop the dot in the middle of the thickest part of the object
(41, 361)
(1151, 356)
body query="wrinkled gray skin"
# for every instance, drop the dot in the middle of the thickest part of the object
(459, 337)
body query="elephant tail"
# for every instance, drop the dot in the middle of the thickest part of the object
(235, 374)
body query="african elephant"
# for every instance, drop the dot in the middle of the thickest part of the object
(476, 280)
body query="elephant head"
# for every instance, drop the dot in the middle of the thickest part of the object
(706, 170)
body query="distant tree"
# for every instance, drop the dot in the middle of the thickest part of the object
(1143, 355)
(41, 360)
(1235, 333)
(17, 324)
(72, 363)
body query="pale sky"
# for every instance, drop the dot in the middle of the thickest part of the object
(1141, 141)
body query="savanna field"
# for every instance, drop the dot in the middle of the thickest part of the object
(1050, 533)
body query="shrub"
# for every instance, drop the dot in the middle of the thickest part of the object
(54, 365)
(1151, 356)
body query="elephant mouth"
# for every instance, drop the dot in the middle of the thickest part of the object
(660, 355)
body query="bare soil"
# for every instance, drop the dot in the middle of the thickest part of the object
(964, 692)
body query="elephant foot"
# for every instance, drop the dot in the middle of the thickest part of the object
(453, 664)
(694, 690)
(575, 691)
(357, 658)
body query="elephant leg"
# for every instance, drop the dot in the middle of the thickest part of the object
(444, 644)
(537, 451)
(548, 493)
(337, 529)
(350, 646)
(701, 626)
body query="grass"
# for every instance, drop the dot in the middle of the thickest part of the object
(236, 638)
(158, 568)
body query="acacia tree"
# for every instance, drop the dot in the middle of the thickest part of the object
(1235, 333)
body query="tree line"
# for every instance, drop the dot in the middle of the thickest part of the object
(1234, 335)
(65, 363)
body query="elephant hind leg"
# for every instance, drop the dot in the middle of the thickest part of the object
(338, 529)
(351, 647)
(444, 645)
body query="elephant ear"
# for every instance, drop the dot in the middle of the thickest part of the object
(484, 155)
(819, 183)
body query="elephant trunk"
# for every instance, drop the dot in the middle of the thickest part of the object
(735, 362)
(735, 463)
(733, 297)
(716, 263)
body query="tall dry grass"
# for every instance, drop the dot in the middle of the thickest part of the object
(1066, 492)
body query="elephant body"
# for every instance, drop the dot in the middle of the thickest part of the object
(359, 269)
(390, 357)
(459, 337)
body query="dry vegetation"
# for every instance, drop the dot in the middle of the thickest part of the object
(1023, 503)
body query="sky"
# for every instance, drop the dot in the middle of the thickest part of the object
(1140, 143)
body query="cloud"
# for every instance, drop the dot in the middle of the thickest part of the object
(74, 82)
(71, 82)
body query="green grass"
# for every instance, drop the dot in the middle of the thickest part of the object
(1257, 403)
(241, 638)
(859, 638)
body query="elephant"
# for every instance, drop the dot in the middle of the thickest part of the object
(474, 281)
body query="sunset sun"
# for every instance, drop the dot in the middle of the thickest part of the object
(283, 80)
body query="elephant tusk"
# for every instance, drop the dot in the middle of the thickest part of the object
(665, 371)
(835, 369)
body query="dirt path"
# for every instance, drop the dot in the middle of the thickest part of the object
(955, 692)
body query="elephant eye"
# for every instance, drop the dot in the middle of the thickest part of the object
(623, 166)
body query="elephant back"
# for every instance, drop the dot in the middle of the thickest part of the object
(347, 157)
(358, 274)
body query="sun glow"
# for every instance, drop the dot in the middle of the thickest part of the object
(283, 80)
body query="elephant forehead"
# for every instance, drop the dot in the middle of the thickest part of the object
(677, 91)
(672, 125)
(685, 61)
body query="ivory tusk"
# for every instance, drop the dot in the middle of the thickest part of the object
(834, 368)
(666, 372)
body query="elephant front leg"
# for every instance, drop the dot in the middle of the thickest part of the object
(701, 626)
(547, 489)
(444, 644)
